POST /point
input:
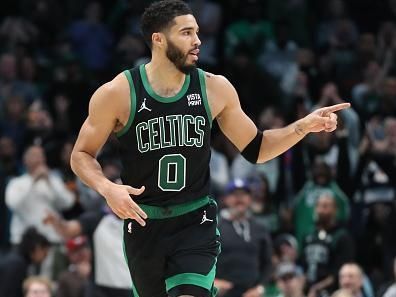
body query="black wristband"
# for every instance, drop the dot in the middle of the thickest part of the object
(252, 150)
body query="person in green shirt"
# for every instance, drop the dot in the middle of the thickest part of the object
(322, 182)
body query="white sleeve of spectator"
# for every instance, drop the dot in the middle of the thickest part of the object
(219, 169)
(64, 198)
(17, 191)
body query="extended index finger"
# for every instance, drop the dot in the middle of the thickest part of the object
(336, 107)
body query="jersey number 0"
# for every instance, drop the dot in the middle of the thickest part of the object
(172, 172)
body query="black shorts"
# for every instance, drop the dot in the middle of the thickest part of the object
(174, 255)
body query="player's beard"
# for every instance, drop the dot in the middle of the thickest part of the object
(178, 58)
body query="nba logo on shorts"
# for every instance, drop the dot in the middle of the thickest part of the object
(130, 227)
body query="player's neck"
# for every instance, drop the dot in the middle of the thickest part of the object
(163, 76)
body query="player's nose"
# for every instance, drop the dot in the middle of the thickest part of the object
(197, 41)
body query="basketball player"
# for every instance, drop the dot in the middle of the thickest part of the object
(162, 113)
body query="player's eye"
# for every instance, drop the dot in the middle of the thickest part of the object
(186, 33)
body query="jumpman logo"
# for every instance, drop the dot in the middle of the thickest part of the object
(205, 219)
(143, 106)
(130, 227)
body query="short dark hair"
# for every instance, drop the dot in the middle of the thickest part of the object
(31, 239)
(160, 15)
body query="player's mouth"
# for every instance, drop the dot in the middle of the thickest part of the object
(194, 53)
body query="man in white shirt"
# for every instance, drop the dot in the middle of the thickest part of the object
(31, 195)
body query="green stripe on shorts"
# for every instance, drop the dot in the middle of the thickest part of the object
(196, 279)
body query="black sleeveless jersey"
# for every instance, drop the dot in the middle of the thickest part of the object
(165, 145)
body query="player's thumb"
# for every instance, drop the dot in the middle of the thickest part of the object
(135, 191)
(317, 119)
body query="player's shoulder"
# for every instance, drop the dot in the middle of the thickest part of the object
(215, 79)
(116, 88)
(217, 83)
(112, 95)
(220, 89)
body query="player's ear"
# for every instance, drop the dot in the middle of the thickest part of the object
(158, 39)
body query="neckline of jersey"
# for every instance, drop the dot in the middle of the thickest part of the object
(150, 91)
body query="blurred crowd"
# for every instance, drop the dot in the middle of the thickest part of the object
(317, 221)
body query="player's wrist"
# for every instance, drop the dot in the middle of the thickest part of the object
(300, 128)
(103, 187)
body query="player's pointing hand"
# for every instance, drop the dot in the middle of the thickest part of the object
(118, 197)
(322, 119)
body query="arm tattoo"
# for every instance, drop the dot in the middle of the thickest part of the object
(299, 130)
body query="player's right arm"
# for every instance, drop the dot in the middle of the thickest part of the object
(106, 109)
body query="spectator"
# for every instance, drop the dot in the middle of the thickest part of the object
(285, 251)
(91, 39)
(302, 80)
(34, 193)
(9, 163)
(48, 16)
(13, 122)
(386, 40)
(10, 85)
(335, 12)
(16, 30)
(263, 206)
(61, 112)
(245, 262)
(290, 280)
(286, 248)
(129, 49)
(326, 249)
(347, 138)
(68, 90)
(295, 12)
(40, 129)
(365, 94)
(14, 267)
(110, 276)
(74, 281)
(352, 279)
(249, 79)
(9, 167)
(35, 286)
(387, 100)
(379, 223)
(375, 175)
(374, 212)
(322, 182)
(279, 55)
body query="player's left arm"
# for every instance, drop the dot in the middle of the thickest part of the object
(257, 146)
